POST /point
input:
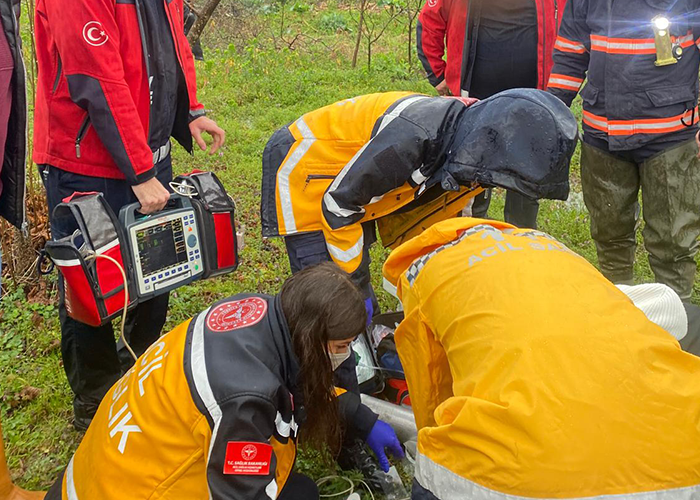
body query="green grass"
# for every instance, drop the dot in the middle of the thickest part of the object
(252, 83)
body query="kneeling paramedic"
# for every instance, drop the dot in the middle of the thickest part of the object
(215, 407)
(531, 375)
(116, 80)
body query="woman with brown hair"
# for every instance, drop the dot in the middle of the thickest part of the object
(215, 408)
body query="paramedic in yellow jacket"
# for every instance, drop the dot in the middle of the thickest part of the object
(531, 375)
(328, 175)
(214, 408)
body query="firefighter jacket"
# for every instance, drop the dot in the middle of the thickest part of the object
(361, 159)
(13, 169)
(628, 101)
(94, 119)
(210, 411)
(533, 376)
(444, 41)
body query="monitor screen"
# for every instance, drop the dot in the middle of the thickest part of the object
(161, 247)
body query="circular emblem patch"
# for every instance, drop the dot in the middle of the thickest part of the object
(94, 34)
(237, 314)
(432, 3)
(249, 452)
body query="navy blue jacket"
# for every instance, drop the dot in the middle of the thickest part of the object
(628, 101)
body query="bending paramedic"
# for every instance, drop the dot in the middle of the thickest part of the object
(531, 375)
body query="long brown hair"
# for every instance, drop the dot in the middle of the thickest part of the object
(320, 304)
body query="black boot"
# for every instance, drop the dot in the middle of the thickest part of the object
(83, 413)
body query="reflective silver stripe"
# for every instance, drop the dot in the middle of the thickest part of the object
(66, 263)
(271, 489)
(565, 83)
(201, 380)
(646, 126)
(328, 200)
(107, 247)
(390, 287)
(446, 485)
(70, 481)
(284, 429)
(76, 262)
(569, 45)
(161, 153)
(308, 138)
(349, 254)
(594, 120)
(604, 44)
(418, 177)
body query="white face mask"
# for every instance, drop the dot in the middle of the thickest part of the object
(338, 358)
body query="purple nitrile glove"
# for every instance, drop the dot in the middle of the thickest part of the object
(370, 310)
(383, 436)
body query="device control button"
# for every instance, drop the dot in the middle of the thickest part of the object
(160, 276)
(191, 240)
(196, 267)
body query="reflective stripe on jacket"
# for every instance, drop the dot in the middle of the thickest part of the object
(533, 376)
(441, 30)
(208, 412)
(93, 119)
(628, 101)
(351, 162)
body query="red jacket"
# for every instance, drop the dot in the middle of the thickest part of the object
(92, 107)
(442, 26)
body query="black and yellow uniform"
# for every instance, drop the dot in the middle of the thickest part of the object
(210, 411)
(338, 168)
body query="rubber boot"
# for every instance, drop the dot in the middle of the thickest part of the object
(9, 491)
(671, 199)
(610, 191)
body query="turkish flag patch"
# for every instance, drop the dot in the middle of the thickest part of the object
(236, 314)
(247, 459)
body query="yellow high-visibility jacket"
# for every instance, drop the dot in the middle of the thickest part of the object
(354, 161)
(206, 413)
(533, 376)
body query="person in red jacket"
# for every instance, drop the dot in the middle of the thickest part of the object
(116, 80)
(478, 48)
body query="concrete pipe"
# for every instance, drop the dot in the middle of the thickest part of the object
(399, 417)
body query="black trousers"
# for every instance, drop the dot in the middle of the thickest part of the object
(92, 360)
(308, 249)
(519, 210)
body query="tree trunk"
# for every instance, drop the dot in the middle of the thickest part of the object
(202, 21)
(410, 43)
(360, 27)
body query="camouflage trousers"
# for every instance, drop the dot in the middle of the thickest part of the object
(670, 184)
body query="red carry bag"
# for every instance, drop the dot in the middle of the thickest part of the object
(92, 260)
(215, 212)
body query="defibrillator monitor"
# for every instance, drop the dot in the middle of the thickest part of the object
(165, 247)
